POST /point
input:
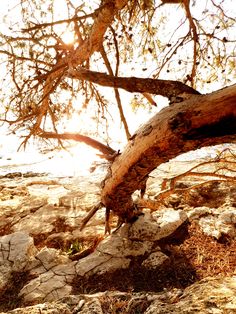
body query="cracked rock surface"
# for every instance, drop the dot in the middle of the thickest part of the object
(39, 236)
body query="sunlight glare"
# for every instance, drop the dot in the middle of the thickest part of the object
(73, 163)
(68, 37)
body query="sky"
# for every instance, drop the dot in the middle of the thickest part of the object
(76, 161)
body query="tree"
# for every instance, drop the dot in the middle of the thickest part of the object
(194, 49)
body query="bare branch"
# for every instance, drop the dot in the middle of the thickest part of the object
(165, 88)
(117, 94)
(107, 151)
(67, 21)
(193, 30)
(81, 54)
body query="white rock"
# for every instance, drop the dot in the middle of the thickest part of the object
(66, 270)
(88, 264)
(228, 215)
(5, 274)
(17, 248)
(58, 293)
(92, 307)
(153, 227)
(118, 246)
(215, 227)
(44, 308)
(50, 257)
(215, 222)
(208, 296)
(197, 212)
(47, 287)
(209, 226)
(112, 265)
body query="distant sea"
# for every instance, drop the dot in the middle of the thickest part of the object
(60, 163)
(76, 162)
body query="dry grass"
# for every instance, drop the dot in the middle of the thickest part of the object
(208, 256)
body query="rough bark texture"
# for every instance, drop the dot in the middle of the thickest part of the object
(165, 88)
(202, 120)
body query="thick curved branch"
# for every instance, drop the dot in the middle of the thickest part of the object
(197, 122)
(165, 88)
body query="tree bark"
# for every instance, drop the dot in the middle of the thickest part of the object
(202, 120)
(165, 88)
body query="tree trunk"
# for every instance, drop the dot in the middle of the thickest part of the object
(202, 120)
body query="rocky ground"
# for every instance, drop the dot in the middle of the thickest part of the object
(179, 257)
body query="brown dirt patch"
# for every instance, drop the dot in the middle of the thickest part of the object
(6, 229)
(9, 298)
(60, 226)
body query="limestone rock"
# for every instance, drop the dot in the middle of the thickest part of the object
(210, 295)
(5, 273)
(99, 263)
(55, 273)
(46, 287)
(46, 259)
(13, 191)
(155, 260)
(45, 308)
(70, 200)
(215, 222)
(158, 225)
(40, 221)
(92, 307)
(121, 246)
(17, 248)
(197, 212)
(113, 264)
(16, 251)
(131, 240)
(113, 253)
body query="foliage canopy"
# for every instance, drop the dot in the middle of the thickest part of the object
(49, 48)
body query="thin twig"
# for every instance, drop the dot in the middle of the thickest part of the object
(117, 94)
(90, 214)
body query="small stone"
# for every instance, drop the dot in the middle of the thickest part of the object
(155, 260)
